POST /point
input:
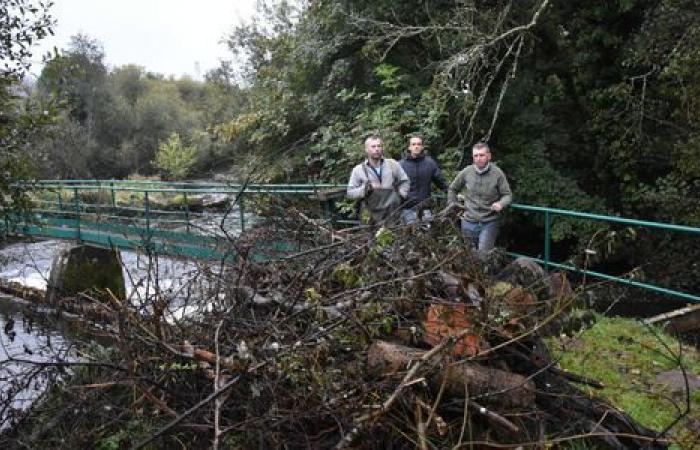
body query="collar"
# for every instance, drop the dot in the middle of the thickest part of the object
(381, 163)
(484, 170)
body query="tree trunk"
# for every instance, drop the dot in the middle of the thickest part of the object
(483, 384)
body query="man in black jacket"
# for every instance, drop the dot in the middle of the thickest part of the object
(422, 170)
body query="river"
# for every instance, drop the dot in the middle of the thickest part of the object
(30, 334)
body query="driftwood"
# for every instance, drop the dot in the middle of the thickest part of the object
(681, 320)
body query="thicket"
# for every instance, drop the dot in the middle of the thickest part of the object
(113, 121)
(589, 106)
(22, 24)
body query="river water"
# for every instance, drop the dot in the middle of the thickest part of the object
(26, 338)
(23, 337)
(31, 335)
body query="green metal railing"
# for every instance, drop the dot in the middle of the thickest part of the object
(146, 214)
(549, 213)
(142, 221)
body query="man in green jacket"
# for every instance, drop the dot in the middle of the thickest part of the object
(488, 193)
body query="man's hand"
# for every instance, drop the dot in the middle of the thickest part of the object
(496, 207)
(448, 210)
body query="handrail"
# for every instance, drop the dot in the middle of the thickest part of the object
(547, 262)
(223, 189)
(77, 208)
(616, 219)
(173, 185)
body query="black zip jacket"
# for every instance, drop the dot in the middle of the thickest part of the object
(422, 171)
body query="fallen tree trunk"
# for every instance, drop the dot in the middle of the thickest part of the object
(489, 385)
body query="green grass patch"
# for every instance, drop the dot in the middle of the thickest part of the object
(627, 357)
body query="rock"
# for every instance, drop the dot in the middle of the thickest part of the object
(216, 200)
(675, 381)
(522, 272)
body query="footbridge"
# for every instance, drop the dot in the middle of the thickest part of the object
(193, 220)
(203, 220)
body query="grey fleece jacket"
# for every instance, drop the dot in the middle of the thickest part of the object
(482, 191)
(392, 175)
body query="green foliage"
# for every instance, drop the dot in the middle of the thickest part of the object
(392, 112)
(174, 158)
(347, 276)
(22, 24)
(113, 121)
(384, 238)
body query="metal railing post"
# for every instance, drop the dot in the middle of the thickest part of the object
(98, 201)
(76, 202)
(241, 211)
(187, 212)
(114, 200)
(147, 210)
(547, 240)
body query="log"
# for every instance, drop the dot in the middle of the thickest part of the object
(681, 320)
(485, 384)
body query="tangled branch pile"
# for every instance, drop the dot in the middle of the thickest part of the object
(389, 339)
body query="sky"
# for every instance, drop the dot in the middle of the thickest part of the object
(171, 37)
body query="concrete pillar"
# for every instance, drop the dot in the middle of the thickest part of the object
(84, 268)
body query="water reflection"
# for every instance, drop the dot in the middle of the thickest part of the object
(36, 335)
(28, 340)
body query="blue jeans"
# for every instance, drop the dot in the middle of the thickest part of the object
(481, 234)
(410, 215)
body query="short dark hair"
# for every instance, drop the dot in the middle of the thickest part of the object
(416, 135)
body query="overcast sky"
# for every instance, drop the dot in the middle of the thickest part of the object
(171, 37)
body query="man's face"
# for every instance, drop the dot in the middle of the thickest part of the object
(374, 149)
(481, 157)
(415, 146)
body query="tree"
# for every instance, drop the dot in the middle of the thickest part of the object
(22, 24)
(174, 158)
(125, 113)
(77, 80)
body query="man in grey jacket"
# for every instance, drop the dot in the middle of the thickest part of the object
(488, 193)
(380, 182)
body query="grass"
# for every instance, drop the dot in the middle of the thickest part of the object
(627, 356)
